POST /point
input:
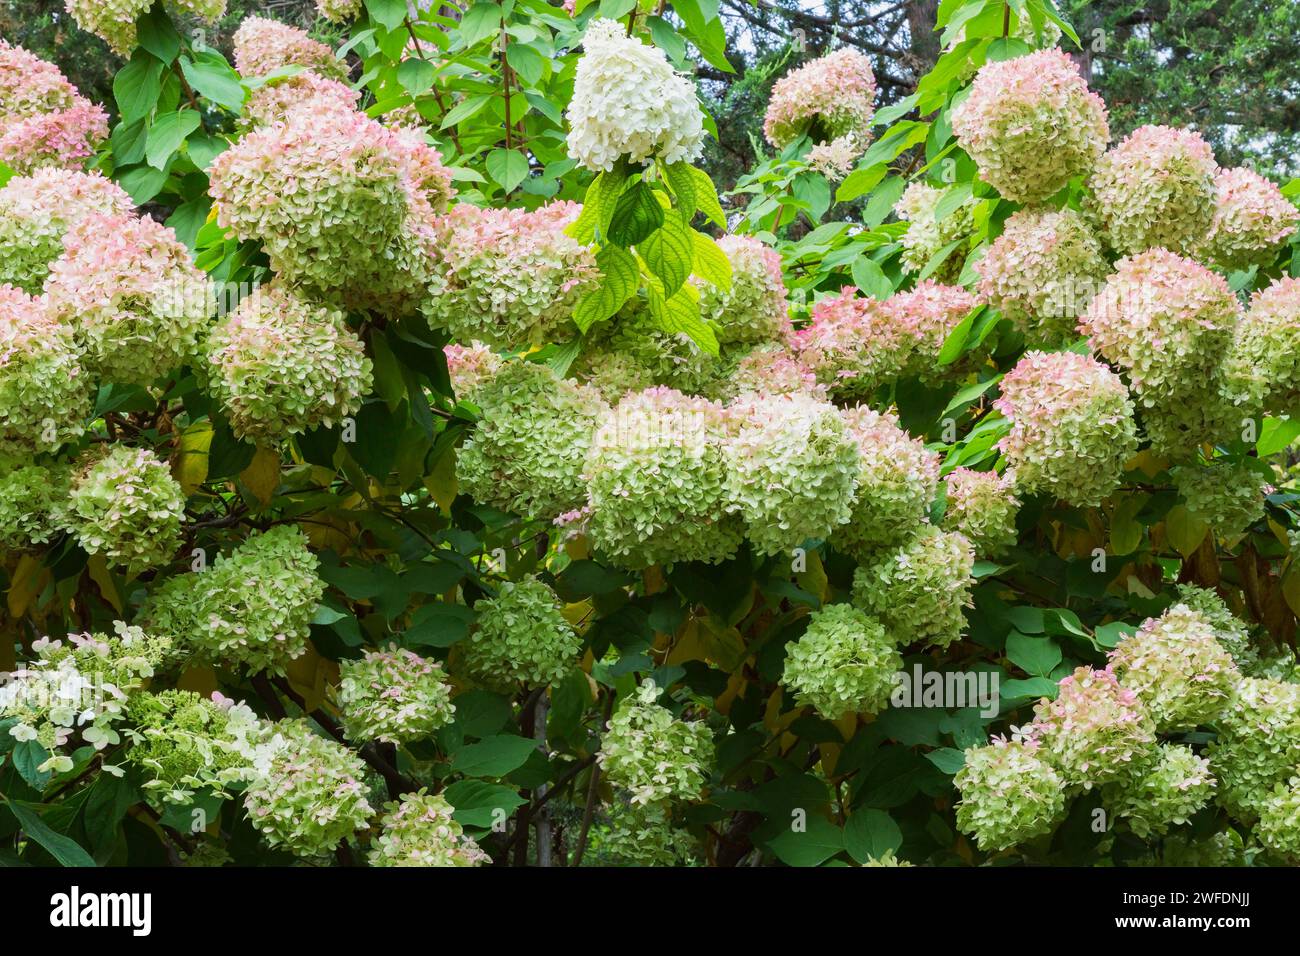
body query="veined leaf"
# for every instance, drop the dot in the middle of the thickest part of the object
(711, 263)
(620, 279)
(636, 215)
(669, 251)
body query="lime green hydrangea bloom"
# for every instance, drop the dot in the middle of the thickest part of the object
(521, 636)
(652, 755)
(843, 664)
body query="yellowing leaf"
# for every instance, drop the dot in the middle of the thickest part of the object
(441, 482)
(99, 573)
(25, 583)
(1186, 530)
(262, 476)
(191, 466)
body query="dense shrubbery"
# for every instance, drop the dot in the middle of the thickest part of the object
(407, 458)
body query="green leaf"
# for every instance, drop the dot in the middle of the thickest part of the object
(711, 263)
(598, 205)
(156, 33)
(481, 804)
(128, 141)
(137, 86)
(706, 197)
(27, 756)
(1276, 435)
(62, 848)
(869, 834)
(636, 215)
(438, 625)
(819, 841)
(1033, 655)
(681, 313)
(669, 251)
(189, 218)
(390, 13)
(955, 344)
(416, 75)
(620, 280)
(947, 759)
(212, 77)
(142, 182)
(166, 135)
(682, 183)
(465, 109)
(480, 21)
(870, 278)
(493, 756)
(526, 61)
(508, 167)
(860, 182)
(1108, 635)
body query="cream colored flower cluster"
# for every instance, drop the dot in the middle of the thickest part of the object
(418, 830)
(521, 637)
(982, 505)
(393, 695)
(929, 236)
(919, 589)
(754, 308)
(1009, 794)
(651, 754)
(44, 392)
(114, 21)
(630, 104)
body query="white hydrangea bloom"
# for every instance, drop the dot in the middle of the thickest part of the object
(628, 101)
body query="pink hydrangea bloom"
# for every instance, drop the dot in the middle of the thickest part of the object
(775, 370)
(1156, 188)
(510, 277)
(30, 86)
(1251, 219)
(65, 139)
(1168, 322)
(1095, 731)
(1071, 426)
(342, 204)
(263, 45)
(131, 292)
(469, 366)
(307, 90)
(830, 97)
(1031, 124)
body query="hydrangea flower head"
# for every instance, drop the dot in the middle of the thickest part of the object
(62, 140)
(630, 104)
(1167, 322)
(1009, 794)
(309, 91)
(342, 204)
(897, 479)
(306, 793)
(418, 830)
(918, 589)
(828, 98)
(844, 663)
(657, 482)
(929, 236)
(1072, 426)
(1251, 219)
(253, 608)
(1228, 497)
(263, 46)
(30, 499)
(653, 756)
(1258, 744)
(280, 365)
(1163, 793)
(982, 505)
(1043, 271)
(511, 278)
(132, 294)
(792, 469)
(1156, 188)
(1262, 370)
(1031, 124)
(1180, 671)
(521, 636)
(526, 452)
(35, 213)
(754, 308)
(393, 695)
(126, 506)
(1095, 731)
(469, 366)
(44, 393)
